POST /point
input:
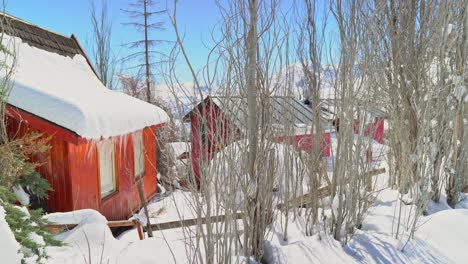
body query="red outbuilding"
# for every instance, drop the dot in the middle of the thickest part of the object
(102, 142)
(373, 119)
(219, 120)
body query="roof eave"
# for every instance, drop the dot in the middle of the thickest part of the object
(196, 109)
(44, 125)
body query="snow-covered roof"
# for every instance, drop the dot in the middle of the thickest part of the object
(283, 110)
(370, 111)
(62, 88)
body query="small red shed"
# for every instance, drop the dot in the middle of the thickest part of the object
(102, 142)
(219, 120)
(374, 119)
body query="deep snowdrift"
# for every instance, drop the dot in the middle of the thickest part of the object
(447, 232)
(441, 238)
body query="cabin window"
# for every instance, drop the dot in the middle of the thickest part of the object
(106, 153)
(139, 154)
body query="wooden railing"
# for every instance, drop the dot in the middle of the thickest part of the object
(322, 192)
(193, 222)
(57, 228)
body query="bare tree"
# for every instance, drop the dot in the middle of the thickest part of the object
(246, 54)
(131, 85)
(413, 49)
(458, 167)
(387, 53)
(142, 13)
(252, 124)
(101, 51)
(311, 42)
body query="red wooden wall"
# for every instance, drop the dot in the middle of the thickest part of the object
(376, 130)
(55, 164)
(216, 135)
(73, 169)
(305, 143)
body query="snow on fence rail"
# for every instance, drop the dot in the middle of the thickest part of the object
(322, 192)
(193, 222)
(57, 228)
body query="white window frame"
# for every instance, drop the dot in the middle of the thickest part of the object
(138, 154)
(107, 170)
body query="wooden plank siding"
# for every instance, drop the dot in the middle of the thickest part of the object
(213, 138)
(54, 164)
(55, 169)
(72, 169)
(84, 171)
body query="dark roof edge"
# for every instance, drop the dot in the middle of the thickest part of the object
(86, 56)
(38, 37)
(191, 112)
(31, 24)
(78, 49)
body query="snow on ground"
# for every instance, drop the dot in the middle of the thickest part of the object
(180, 169)
(165, 247)
(375, 242)
(8, 245)
(445, 232)
(175, 206)
(300, 248)
(90, 242)
(440, 238)
(66, 91)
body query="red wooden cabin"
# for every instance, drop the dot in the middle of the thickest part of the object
(98, 153)
(219, 120)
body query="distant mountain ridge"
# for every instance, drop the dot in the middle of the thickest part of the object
(290, 81)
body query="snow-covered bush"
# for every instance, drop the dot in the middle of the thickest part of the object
(17, 174)
(28, 228)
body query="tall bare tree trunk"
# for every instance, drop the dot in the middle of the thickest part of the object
(145, 207)
(143, 13)
(251, 76)
(147, 63)
(458, 163)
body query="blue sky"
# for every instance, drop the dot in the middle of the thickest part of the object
(195, 17)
